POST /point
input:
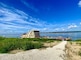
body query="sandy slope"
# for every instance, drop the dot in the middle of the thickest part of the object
(54, 53)
(72, 51)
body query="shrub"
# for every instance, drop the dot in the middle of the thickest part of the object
(9, 44)
(37, 45)
(2, 38)
(79, 53)
(26, 46)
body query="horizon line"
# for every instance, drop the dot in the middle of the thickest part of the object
(62, 32)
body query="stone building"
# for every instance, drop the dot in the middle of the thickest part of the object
(31, 34)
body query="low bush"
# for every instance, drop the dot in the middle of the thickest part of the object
(79, 53)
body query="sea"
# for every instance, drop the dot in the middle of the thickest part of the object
(73, 36)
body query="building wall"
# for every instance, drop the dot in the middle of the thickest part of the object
(37, 35)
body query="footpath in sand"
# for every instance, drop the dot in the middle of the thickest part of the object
(54, 53)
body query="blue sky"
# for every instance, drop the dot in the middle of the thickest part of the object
(19, 16)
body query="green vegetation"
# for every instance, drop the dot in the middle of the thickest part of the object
(9, 44)
(78, 41)
(79, 53)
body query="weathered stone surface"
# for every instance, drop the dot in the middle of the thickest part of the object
(31, 34)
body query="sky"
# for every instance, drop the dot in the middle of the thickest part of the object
(19, 16)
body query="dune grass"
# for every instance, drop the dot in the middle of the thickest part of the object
(78, 43)
(9, 44)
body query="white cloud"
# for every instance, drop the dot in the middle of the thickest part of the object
(11, 18)
(72, 26)
(60, 29)
(80, 23)
(79, 3)
(56, 29)
(63, 29)
(17, 16)
(29, 6)
(17, 20)
(45, 29)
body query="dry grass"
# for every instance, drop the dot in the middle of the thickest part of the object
(51, 44)
(72, 51)
(15, 51)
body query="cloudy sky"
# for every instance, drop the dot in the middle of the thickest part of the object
(19, 16)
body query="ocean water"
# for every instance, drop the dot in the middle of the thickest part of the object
(73, 36)
(11, 35)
